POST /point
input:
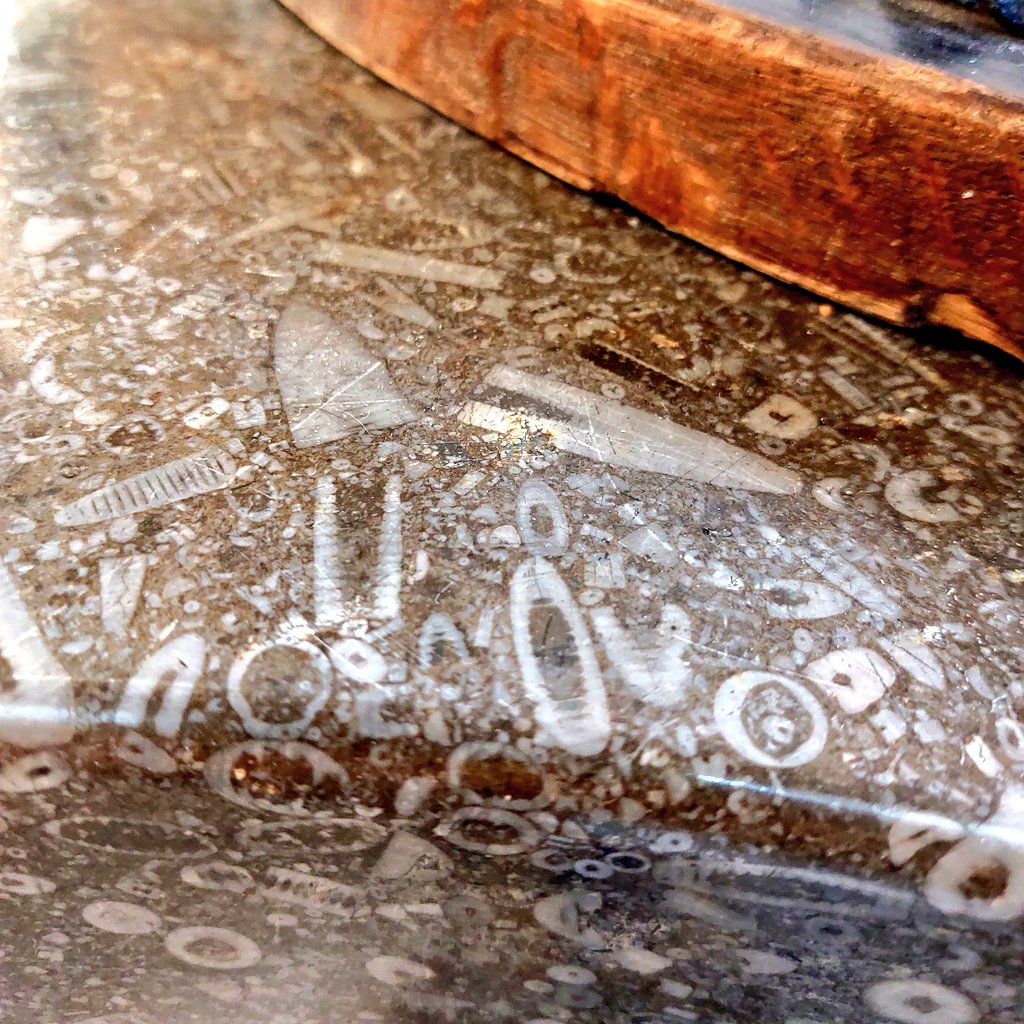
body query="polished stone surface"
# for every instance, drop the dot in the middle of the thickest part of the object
(428, 593)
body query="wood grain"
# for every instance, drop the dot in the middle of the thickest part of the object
(883, 183)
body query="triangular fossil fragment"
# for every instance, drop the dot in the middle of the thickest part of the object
(331, 386)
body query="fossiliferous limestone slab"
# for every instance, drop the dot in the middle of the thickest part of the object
(429, 594)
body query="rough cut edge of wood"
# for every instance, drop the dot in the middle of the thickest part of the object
(951, 99)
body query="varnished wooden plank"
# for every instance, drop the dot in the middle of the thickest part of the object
(852, 161)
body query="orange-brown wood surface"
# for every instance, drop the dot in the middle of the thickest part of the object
(887, 185)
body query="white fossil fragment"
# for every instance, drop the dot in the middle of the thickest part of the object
(174, 668)
(541, 520)
(30, 773)
(658, 668)
(902, 1000)
(783, 417)
(910, 653)
(412, 794)
(397, 970)
(560, 915)
(846, 577)
(560, 671)
(219, 948)
(311, 682)
(121, 582)
(409, 264)
(761, 961)
(40, 708)
(142, 752)
(388, 577)
(314, 892)
(996, 845)
(606, 431)
(45, 383)
(209, 412)
(328, 599)
(209, 470)
(41, 234)
(121, 918)
(331, 386)
(406, 854)
(854, 677)
(903, 492)
(397, 303)
(801, 599)
(16, 883)
(641, 961)
(218, 875)
(652, 542)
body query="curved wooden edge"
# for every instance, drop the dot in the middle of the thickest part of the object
(881, 184)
